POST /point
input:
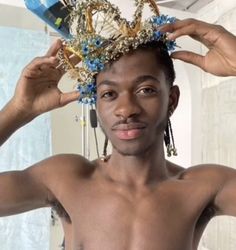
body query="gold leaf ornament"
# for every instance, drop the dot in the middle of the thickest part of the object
(100, 35)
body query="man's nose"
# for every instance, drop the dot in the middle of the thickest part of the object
(127, 106)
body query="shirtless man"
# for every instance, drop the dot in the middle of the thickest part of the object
(136, 200)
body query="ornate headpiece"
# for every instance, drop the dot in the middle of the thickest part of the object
(100, 35)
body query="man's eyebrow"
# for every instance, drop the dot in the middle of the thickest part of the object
(145, 78)
(137, 81)
(106, 82)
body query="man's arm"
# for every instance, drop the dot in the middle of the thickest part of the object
(21, 191)
(39, 185)
(225, 199)
(219, 183)
(37, 92)
(220, 59)
(10, 120)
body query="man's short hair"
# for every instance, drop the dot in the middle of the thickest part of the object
(163, 58)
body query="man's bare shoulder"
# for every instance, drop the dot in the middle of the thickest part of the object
(203, 169)
(213, 174)
(59, 169)
(66, 164)
(58, 172)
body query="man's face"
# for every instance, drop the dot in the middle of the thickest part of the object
(132, 102)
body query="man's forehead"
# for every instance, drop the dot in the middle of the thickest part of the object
(135, 81)
(140, 62)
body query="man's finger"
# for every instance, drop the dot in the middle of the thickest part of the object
(36, 67)
(190, 57)
(42, 62)
(179, 24)
(54, 48)
(69, 97)
(190, 27)
(190, 30)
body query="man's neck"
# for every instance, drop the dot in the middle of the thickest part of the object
(138, 170)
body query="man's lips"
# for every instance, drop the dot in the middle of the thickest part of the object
(128, 134)
(129, 131)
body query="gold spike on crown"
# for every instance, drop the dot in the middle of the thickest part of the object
(99, 35)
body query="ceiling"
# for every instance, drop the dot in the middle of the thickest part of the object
(185, 5)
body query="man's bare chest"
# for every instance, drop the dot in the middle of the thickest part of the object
(155, 219)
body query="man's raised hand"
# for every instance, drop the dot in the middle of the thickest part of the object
(37, 89)
(220, 59)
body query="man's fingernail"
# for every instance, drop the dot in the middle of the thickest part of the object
(170, 36)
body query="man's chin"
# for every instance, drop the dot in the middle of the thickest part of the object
(130, 151)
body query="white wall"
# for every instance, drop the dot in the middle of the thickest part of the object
(218, 119)
(14, 3)
(187, 127)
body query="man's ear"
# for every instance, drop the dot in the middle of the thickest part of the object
(173, 98)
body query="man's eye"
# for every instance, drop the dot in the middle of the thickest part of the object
(147, 91)
(108, 94)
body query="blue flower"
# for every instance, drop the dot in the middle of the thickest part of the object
(171, 45)
(88, 100)
(162, 19)
(91, 87)
(157, 35)
(94, 65)
(97, 42)
(171, 20)
(159, 20)
(90, 64)
(85, 49)
(88, 92)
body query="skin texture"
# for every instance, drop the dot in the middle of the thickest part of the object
(137, 199)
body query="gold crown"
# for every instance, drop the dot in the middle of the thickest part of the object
(99, 35)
